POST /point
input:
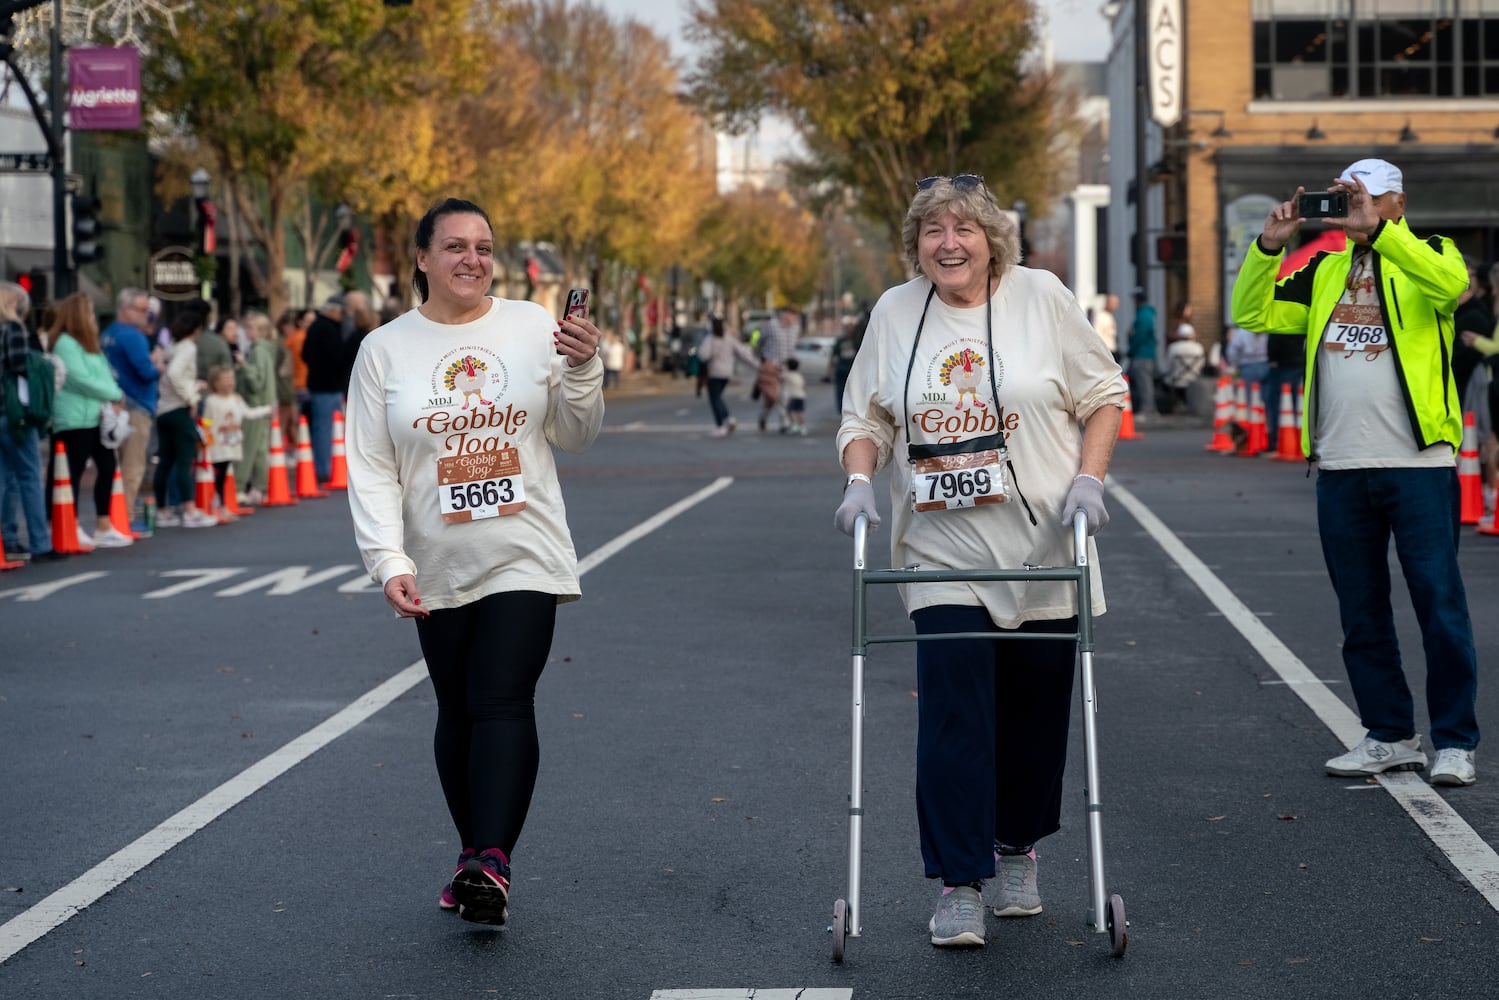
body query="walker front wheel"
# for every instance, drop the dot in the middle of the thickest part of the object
(1117, 926)
(839, 929)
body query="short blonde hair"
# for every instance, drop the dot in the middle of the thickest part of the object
(15, 303)
(975, 204)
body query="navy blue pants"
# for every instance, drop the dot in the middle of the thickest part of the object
(991, 741)
(1358, 510)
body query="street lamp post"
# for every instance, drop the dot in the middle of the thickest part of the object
(202, 183)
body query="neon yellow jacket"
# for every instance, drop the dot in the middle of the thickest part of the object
(1418, 282)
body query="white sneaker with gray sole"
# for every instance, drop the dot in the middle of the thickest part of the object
(1453, 767)
(1373, 756)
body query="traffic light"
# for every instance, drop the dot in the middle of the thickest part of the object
(34, 284)
(1171, 250)
(86, 231)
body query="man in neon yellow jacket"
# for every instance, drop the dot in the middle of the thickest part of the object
(1383, 421)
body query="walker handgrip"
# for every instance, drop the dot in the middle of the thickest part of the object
(861, 535)
(1080, 536)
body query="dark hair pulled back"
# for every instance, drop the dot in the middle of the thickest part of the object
(428, 225)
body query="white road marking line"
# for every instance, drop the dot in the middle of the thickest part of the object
(754, 994)
(1475, 859)
(195, 578)
(57, 908)
(640, 427)
(291, 580)
(37, 591)
(1314, 680)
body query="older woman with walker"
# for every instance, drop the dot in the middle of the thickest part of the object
(971, 383)
(454, 410)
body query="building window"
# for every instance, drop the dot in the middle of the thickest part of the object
(1313, 50)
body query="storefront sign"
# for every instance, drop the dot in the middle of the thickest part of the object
(173, 274)
(104, 88)
(1165, 47)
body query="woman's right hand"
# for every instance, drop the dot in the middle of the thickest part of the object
(857, 499)
(401, 594)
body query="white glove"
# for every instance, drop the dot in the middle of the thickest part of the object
(857, 499)
(1086, 495)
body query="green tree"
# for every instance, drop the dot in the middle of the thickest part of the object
(884, 94)
(754, 243)
(258, 87)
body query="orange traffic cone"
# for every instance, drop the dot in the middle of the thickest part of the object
(1127, 424)
(1223, 412)
(1469, 475)
(277, 488)
(231, 496)
(204, 494)
(1259, 431)
(119, 515)
(1287, 432)
(307, 487)
(339, 479)
(64, 514)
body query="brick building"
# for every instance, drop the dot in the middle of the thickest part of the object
(1286, 92)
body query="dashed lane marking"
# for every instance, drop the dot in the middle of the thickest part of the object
(59, 907)
(38, 591)
(1451, 834)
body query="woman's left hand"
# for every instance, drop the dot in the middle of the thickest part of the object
(578, 339)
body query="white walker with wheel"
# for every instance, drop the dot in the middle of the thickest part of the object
(1105, 912)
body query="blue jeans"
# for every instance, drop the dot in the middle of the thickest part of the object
(320, 428)
(1357, 512)
(21, 484)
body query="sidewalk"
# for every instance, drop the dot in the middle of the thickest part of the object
(644, 383)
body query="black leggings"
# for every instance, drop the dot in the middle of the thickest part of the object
(484, 659)
(80, 446)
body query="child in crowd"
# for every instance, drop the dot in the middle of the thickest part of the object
(794, 390)
(224, 413)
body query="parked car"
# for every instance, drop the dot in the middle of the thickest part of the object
(816, 357)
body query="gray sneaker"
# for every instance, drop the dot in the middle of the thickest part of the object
(1454, 768)
(1373, 756)
(1017, 895)
(959, 920)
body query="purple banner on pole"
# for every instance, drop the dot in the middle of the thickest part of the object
(104, 88)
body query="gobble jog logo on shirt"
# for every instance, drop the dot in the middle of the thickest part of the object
(468, 388)
(954, 396)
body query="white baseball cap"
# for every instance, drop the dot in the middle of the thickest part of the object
(1379, 176)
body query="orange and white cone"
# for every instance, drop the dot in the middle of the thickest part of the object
(277, 488)
(1127, 424)
(119, 514)
(204, 493)
(231, 496)
(64, 514)
(1223, 412)
(307, 487)
(1287, 432)
(1259, 430)
(339, 477)
(1469, 474)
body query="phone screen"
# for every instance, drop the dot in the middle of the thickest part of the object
(577, 303)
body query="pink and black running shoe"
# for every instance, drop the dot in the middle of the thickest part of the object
(445, 898)
(481, 887)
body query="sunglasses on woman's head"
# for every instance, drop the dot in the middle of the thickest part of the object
(960, 182)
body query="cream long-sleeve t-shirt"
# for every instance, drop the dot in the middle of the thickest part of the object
(423, 391)
(1052, 371)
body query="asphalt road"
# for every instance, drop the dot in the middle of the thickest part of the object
(203, 727)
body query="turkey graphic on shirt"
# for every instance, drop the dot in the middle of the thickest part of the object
(467, 376)
(964, 372)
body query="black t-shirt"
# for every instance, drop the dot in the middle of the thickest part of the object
(326, 358)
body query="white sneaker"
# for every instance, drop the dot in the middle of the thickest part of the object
(198, 519)
(1454, 767)
(719, 432)
(731, 425)
(167, 519)
(111, 539)
(84, 541)
(1373, 756)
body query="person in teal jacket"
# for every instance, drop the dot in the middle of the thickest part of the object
(1383, 421)
(76, 411)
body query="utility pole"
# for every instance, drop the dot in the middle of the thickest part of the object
(1142, 116)
(62, 272)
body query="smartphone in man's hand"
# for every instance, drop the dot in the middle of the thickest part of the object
(1322, 204)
